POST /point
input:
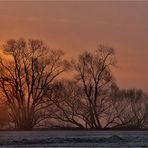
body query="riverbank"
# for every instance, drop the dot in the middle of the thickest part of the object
(69, 138)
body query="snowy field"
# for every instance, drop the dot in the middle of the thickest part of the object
(74, 139)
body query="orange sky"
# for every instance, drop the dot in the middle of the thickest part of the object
(78, 26)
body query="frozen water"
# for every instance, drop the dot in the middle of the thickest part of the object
(74, 138)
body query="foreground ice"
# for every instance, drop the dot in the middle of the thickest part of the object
(74, 139)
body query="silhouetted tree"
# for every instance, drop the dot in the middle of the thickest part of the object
(94, 75)
(130, 108)
(24, 74)
(67, 104)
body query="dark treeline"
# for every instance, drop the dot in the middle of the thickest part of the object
(35, 92)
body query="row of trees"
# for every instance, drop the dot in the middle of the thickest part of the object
(34, 94)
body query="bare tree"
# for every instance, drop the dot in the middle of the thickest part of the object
(94, 75)
(129, 108)
(68, 108)
(28, 68)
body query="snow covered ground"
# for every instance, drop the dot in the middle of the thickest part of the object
(74, 139)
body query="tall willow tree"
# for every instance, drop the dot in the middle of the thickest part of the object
(25, 72)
